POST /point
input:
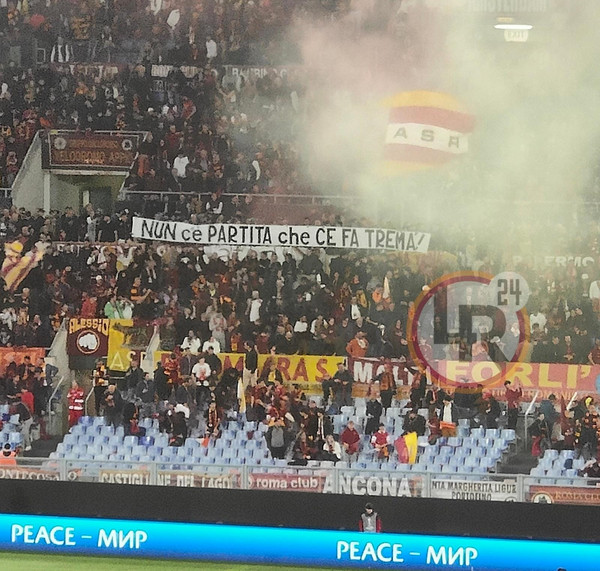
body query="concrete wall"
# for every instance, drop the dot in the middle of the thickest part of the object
(37, 188)
(64, 193)
(67, 190)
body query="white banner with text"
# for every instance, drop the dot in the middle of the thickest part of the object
(280, 235)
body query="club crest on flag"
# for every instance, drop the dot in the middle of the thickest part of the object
(425, 129)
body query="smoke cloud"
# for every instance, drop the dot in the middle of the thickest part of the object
(533, 154)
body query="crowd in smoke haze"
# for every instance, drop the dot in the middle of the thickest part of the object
(316, 129)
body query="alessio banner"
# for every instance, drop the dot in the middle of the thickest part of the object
(280, 235)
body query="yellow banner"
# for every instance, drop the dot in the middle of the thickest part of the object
(127, 339)
(304, 370)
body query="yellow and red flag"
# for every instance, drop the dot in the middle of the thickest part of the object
(426, 128)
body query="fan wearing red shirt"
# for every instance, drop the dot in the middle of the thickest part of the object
(27, 398)
(381, 442)
(350, 440)
(513, 398)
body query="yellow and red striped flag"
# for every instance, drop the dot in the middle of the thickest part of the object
(425, 128)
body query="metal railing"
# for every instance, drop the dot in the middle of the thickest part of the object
(313, 199)
(397, 481)
(55, 420)
(85, 404)
(527, 415)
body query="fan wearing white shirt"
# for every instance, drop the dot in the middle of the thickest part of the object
(211, 48)
(332, 451)
(539, 318)
(180, 163)
(354, 310)
(212, 342)
(201, 370)
(191, 342)
(254, 307)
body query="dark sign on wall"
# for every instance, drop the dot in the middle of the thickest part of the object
(92, 151)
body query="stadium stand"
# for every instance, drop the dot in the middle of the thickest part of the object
(213, 151)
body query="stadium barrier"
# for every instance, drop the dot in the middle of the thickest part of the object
(404, 481)
(334, 549)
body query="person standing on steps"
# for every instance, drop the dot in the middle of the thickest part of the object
(513, 399)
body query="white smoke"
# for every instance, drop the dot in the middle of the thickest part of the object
(533, 154)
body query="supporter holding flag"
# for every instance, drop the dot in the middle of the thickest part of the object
(448, 415)
(387, 385)
(381, 443)
(16, 266)
(513, 399)
(541, 431)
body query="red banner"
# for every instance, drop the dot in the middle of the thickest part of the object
(17, 354)
(557, 378)
(287, 482)
(582, 495)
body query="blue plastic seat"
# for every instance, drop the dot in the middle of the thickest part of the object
(137, 450)
(492, 433)
(106, 430)
(94, 450)
(477, 432)
(509, 434)
(472, 461)
(487, 462)
(567, 454)
(456, 461)
(486, 442)
(146, 440)
(462, 432)
(130, 440)
(86, 421)
(462, 451)
(448, 469)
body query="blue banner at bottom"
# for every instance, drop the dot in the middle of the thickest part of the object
(343, 549)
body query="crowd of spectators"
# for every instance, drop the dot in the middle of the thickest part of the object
(297, 301)
(159, 31)
(218, 135)
(25, 390)
(210, 130)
